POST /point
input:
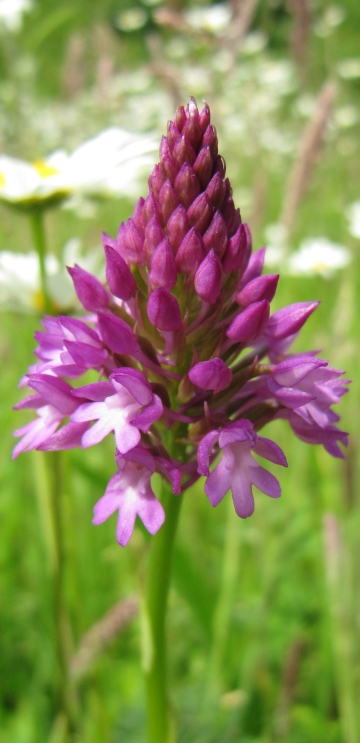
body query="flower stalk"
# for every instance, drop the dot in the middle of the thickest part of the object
(159, 720)
(36, 217)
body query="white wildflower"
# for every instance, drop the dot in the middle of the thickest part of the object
(318, 255)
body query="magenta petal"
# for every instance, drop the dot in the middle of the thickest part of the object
(89, 289)
(242, 496)
(55, 391)
(204, 450)
(67, 437)
(293, 370)
(85, 355)
(149, 415)
(163, 310)
(250, 323)
(151, 513)
(289, 320)
(265, 481)
(211, 375)
(218, 483)
(97, 391)
(126, 437)
(269, 450)
(135, 382)
(116, 334)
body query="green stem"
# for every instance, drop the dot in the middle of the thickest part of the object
(49, 484)
(154, 611)
(39, 239)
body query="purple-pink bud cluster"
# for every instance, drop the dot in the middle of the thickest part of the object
(184, 346)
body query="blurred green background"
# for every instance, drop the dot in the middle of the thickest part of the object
(264, 616)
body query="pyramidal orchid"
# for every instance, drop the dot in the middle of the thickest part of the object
(187, 363)
(190, 361)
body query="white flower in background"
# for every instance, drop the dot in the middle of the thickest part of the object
(333, 16)
(318, 255)
(20, 286)
(353, 214)
(131, 19)
(346, 116)
(109, 164)
(254, 42)
(212, 18)
(349, 69)
(11, 12)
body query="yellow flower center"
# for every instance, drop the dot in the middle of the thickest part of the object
(45, 170)
(2, 180)
(320, 266)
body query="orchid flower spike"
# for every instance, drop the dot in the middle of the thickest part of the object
(190, 359)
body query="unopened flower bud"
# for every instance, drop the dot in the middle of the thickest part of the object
(191, 128)
(118, 275)
(180, 117)
(163, 310)
(219, 167)
(231, 216)
(134, 244)
(154, 234)
(238, 251)
(264, 287)
(208, 278)
(289, 320)
(173, 135)
(250, 323)
(215, 236)
(183, 152)
(162, 266)
(150, 209)
(156, 180)
(211, 375)
(177, 227)
(200, 213)
(116, 334)
(187, 186)
(203, 166)
(210, 140)
(89, 289)
(190, 253)
(216, 191)
(168, 201)
(204, 117)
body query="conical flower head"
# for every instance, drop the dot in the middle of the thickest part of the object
(184, 239)
(177, 339)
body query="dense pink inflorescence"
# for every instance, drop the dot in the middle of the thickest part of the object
(177, 342)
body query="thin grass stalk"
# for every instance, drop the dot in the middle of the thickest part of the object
(342, 634)
(306, 157)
